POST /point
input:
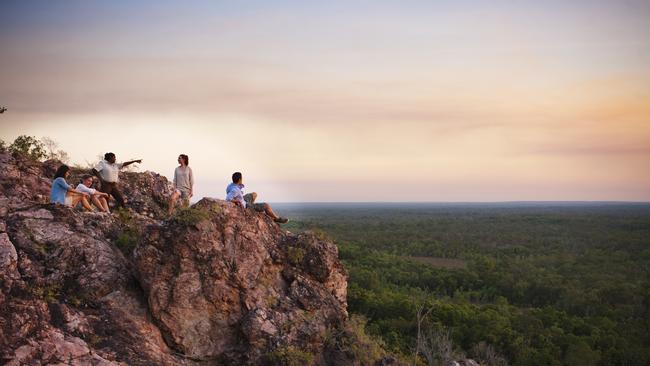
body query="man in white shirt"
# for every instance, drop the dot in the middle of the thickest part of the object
(108, 171)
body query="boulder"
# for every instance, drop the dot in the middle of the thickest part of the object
(217, 284)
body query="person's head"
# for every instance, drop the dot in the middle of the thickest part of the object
(87, 180)
(183, 159)
(62, 172)
(236, 177)
(110, 157)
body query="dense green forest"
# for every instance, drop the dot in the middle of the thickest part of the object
(537, 284)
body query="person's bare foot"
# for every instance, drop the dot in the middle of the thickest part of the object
(281, 220)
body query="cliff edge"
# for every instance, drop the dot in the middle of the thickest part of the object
(214, 284)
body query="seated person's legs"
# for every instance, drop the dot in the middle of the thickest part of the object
(104, 203)
(276, 218)
(73, 199)
(250, 198)
(262, 207)
(97, 201)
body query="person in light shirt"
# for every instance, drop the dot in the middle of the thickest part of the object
(183, 183)
(235, 194)
(64, 194)
(99, 199)
(108, 171)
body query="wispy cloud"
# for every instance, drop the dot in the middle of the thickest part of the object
(506, 97)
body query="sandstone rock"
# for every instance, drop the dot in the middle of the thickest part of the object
(54, 348)
(8, 266)
(216, 284)
(73, 247)
(146, 193)
(209, 282)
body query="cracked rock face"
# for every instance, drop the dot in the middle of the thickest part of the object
(214, 285)
(234, 285)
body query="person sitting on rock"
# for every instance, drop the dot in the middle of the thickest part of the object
(99, 199)
(108, 171)
(183, 183)
(235, 194)
(64, 194)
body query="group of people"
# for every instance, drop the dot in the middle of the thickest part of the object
(106, 172)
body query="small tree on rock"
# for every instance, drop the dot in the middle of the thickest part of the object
(28, 146)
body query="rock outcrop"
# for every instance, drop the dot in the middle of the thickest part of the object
(212, 285)
(228, 284)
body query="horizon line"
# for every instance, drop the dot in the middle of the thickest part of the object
(470, 202)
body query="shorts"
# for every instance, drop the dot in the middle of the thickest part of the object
(68, 200)
(184, 194)
(248, 198)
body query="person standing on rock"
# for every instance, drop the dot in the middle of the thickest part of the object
(183, 183)
(64, 194)
(235, 194)
(108, 171)
(99, 199)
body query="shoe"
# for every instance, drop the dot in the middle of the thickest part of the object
(281, 220)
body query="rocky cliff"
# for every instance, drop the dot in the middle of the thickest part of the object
(212, 285)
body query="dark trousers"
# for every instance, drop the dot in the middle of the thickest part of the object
(112, 189)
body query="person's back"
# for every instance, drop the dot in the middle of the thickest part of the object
(234, 194)
(59, 189)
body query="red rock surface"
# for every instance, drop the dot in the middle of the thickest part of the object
(214, 285)
(234, 285)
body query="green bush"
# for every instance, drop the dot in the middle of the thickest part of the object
(353, 341)
(191, 216)
(48, 293)
(128, 238)
(29, 147)
(288, 356)
(295, 255)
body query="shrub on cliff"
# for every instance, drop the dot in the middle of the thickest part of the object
(28, 146)
(288, 356)
(350, 344)
(127, 239)
(191, 216)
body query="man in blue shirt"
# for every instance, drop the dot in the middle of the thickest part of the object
(235, 194)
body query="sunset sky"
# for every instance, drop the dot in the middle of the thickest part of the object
(343, 101)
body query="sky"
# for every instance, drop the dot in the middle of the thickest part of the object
(343, 100)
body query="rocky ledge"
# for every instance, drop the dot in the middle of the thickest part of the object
(212, 285)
